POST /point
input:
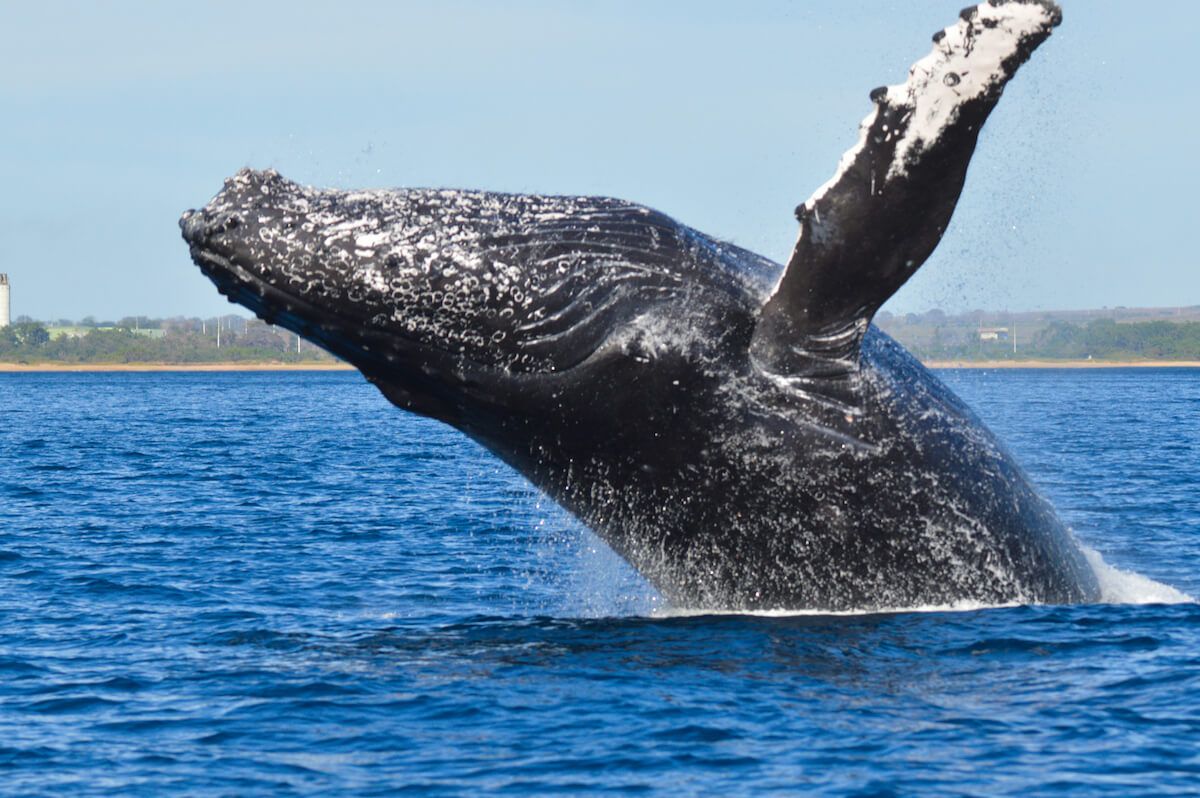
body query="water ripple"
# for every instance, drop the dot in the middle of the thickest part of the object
(257, 584)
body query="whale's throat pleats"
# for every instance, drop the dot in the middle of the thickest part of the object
(521, 283)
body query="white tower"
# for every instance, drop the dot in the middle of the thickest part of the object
(4, 309)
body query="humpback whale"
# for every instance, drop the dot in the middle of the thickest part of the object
(735, 429)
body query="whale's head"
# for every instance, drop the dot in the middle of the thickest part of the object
(461, 302)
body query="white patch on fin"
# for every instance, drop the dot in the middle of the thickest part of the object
(967, 62)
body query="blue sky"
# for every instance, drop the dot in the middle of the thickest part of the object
(118, 116)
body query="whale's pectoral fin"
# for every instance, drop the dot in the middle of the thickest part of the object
(867, 230)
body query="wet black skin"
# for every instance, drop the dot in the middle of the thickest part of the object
(736, 430)
(726, 485)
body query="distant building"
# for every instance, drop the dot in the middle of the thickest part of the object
(5, 310)
(993, 333)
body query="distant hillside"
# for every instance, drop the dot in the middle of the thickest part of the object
(180, 341)
(1107, 334)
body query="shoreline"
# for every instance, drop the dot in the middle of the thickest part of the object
(22, 368)
(233, 366)
(1061, 364)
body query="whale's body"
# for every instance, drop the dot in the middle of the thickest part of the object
(734, 428)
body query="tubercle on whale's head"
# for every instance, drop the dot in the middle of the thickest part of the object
(257, 242)
(414, 290)
(277, 248)
(299, 260)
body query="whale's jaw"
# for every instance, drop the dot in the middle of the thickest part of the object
(226, 241)
(243, 285)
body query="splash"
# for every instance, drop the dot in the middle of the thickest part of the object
(957, 606)
(1126, 587)
(1116, 587)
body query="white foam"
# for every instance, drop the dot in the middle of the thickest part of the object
(957, 606)
(1116, 587)
(1127, 587)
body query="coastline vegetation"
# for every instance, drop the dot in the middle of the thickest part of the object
(937, 337)
(230, 339)
(933, 336)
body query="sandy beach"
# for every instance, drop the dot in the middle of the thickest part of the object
(1060, 364)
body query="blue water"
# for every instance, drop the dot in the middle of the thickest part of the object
(246, 584)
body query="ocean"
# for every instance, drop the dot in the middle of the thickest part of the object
(276, 583)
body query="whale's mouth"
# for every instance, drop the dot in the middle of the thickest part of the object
(381, 354)
(222, 247)
(267, 300)
(410, 373)
(276, 306)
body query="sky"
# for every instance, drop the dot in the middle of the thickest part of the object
(118, 116)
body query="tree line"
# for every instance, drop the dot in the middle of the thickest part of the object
(155, 341)
(1100, 339)
(196, 341)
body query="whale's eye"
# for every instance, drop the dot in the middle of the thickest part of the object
(952, 79)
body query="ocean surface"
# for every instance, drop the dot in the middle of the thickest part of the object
(276, 583)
